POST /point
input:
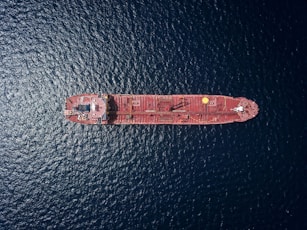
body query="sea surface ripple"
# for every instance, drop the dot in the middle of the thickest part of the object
(56, 174)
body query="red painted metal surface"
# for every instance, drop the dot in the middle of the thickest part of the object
(158, 109)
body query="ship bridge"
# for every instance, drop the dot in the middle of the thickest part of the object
(97, 109)
(91, 108)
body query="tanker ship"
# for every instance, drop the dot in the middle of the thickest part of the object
(158, 109)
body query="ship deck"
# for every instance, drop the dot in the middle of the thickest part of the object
(172, 109)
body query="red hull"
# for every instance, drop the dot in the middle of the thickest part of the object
(158, 109)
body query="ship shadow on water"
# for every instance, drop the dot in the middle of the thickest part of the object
(112, 107)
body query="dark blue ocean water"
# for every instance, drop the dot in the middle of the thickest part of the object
(58, 175)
